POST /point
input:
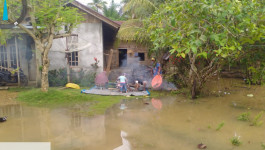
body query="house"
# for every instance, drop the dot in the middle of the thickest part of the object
(93, 38)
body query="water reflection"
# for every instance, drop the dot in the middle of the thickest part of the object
(165, 123)
(125, 143)
(157, 103)
(12, 109)
(64, 127)
(76, 117)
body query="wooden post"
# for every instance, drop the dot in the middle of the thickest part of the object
(67, 60)
(109, 62)
(68, 71)
(18, 67)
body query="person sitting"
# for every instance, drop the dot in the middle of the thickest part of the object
(140, 84)
(123, 81)
(137, 85)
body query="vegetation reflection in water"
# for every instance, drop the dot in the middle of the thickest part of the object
(168, 123)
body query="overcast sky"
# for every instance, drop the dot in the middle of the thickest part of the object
(89, 1)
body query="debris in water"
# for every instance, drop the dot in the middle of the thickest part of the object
(250, 95)
(234, 103)
(146, 103)
(3, 119)
(201, 146)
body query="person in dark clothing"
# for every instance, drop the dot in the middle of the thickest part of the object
(157, 67)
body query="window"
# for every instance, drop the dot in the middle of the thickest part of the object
(72, 56)
(8, 56)
(73, 60)
(141, 55)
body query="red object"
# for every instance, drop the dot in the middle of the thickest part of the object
(101, 79)
(157, 81)
(157, 103)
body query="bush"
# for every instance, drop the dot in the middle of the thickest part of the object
(59, 78)
(84, 79)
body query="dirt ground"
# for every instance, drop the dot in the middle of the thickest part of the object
(7, 98)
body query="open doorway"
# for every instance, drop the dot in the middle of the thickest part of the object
(122, 57)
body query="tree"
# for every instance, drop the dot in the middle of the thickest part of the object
(4, 35)
(205, 33)
(47, 18)
(136, 11)
(111, 11)
(97, 5)
(139, 8)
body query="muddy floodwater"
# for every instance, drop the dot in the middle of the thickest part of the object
(164, 123)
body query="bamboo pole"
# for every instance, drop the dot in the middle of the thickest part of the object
(18, 72)
(67, 61)
(109, 62)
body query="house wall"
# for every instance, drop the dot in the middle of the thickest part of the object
(90, 45)
(131, 49)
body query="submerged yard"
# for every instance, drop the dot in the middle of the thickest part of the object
(188, 44)
(64, 118)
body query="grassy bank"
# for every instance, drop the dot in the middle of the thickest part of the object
(58, 97)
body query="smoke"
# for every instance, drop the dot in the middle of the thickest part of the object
(136, 69)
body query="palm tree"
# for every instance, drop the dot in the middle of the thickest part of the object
(97, 5)
(137, 10)
(112, 12)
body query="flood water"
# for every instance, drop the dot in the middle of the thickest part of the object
(165, 123)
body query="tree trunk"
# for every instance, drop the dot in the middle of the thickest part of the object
(193, 88)
(45, 63)
(193, 76)
(44, 73)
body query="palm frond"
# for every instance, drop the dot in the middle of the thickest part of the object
(133, 4)
(128, 33)
(132, 30)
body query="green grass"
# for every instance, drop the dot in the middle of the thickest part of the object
(56, 97)
(61, 97)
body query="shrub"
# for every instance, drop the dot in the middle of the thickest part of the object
(82, 78)
(57, 77)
